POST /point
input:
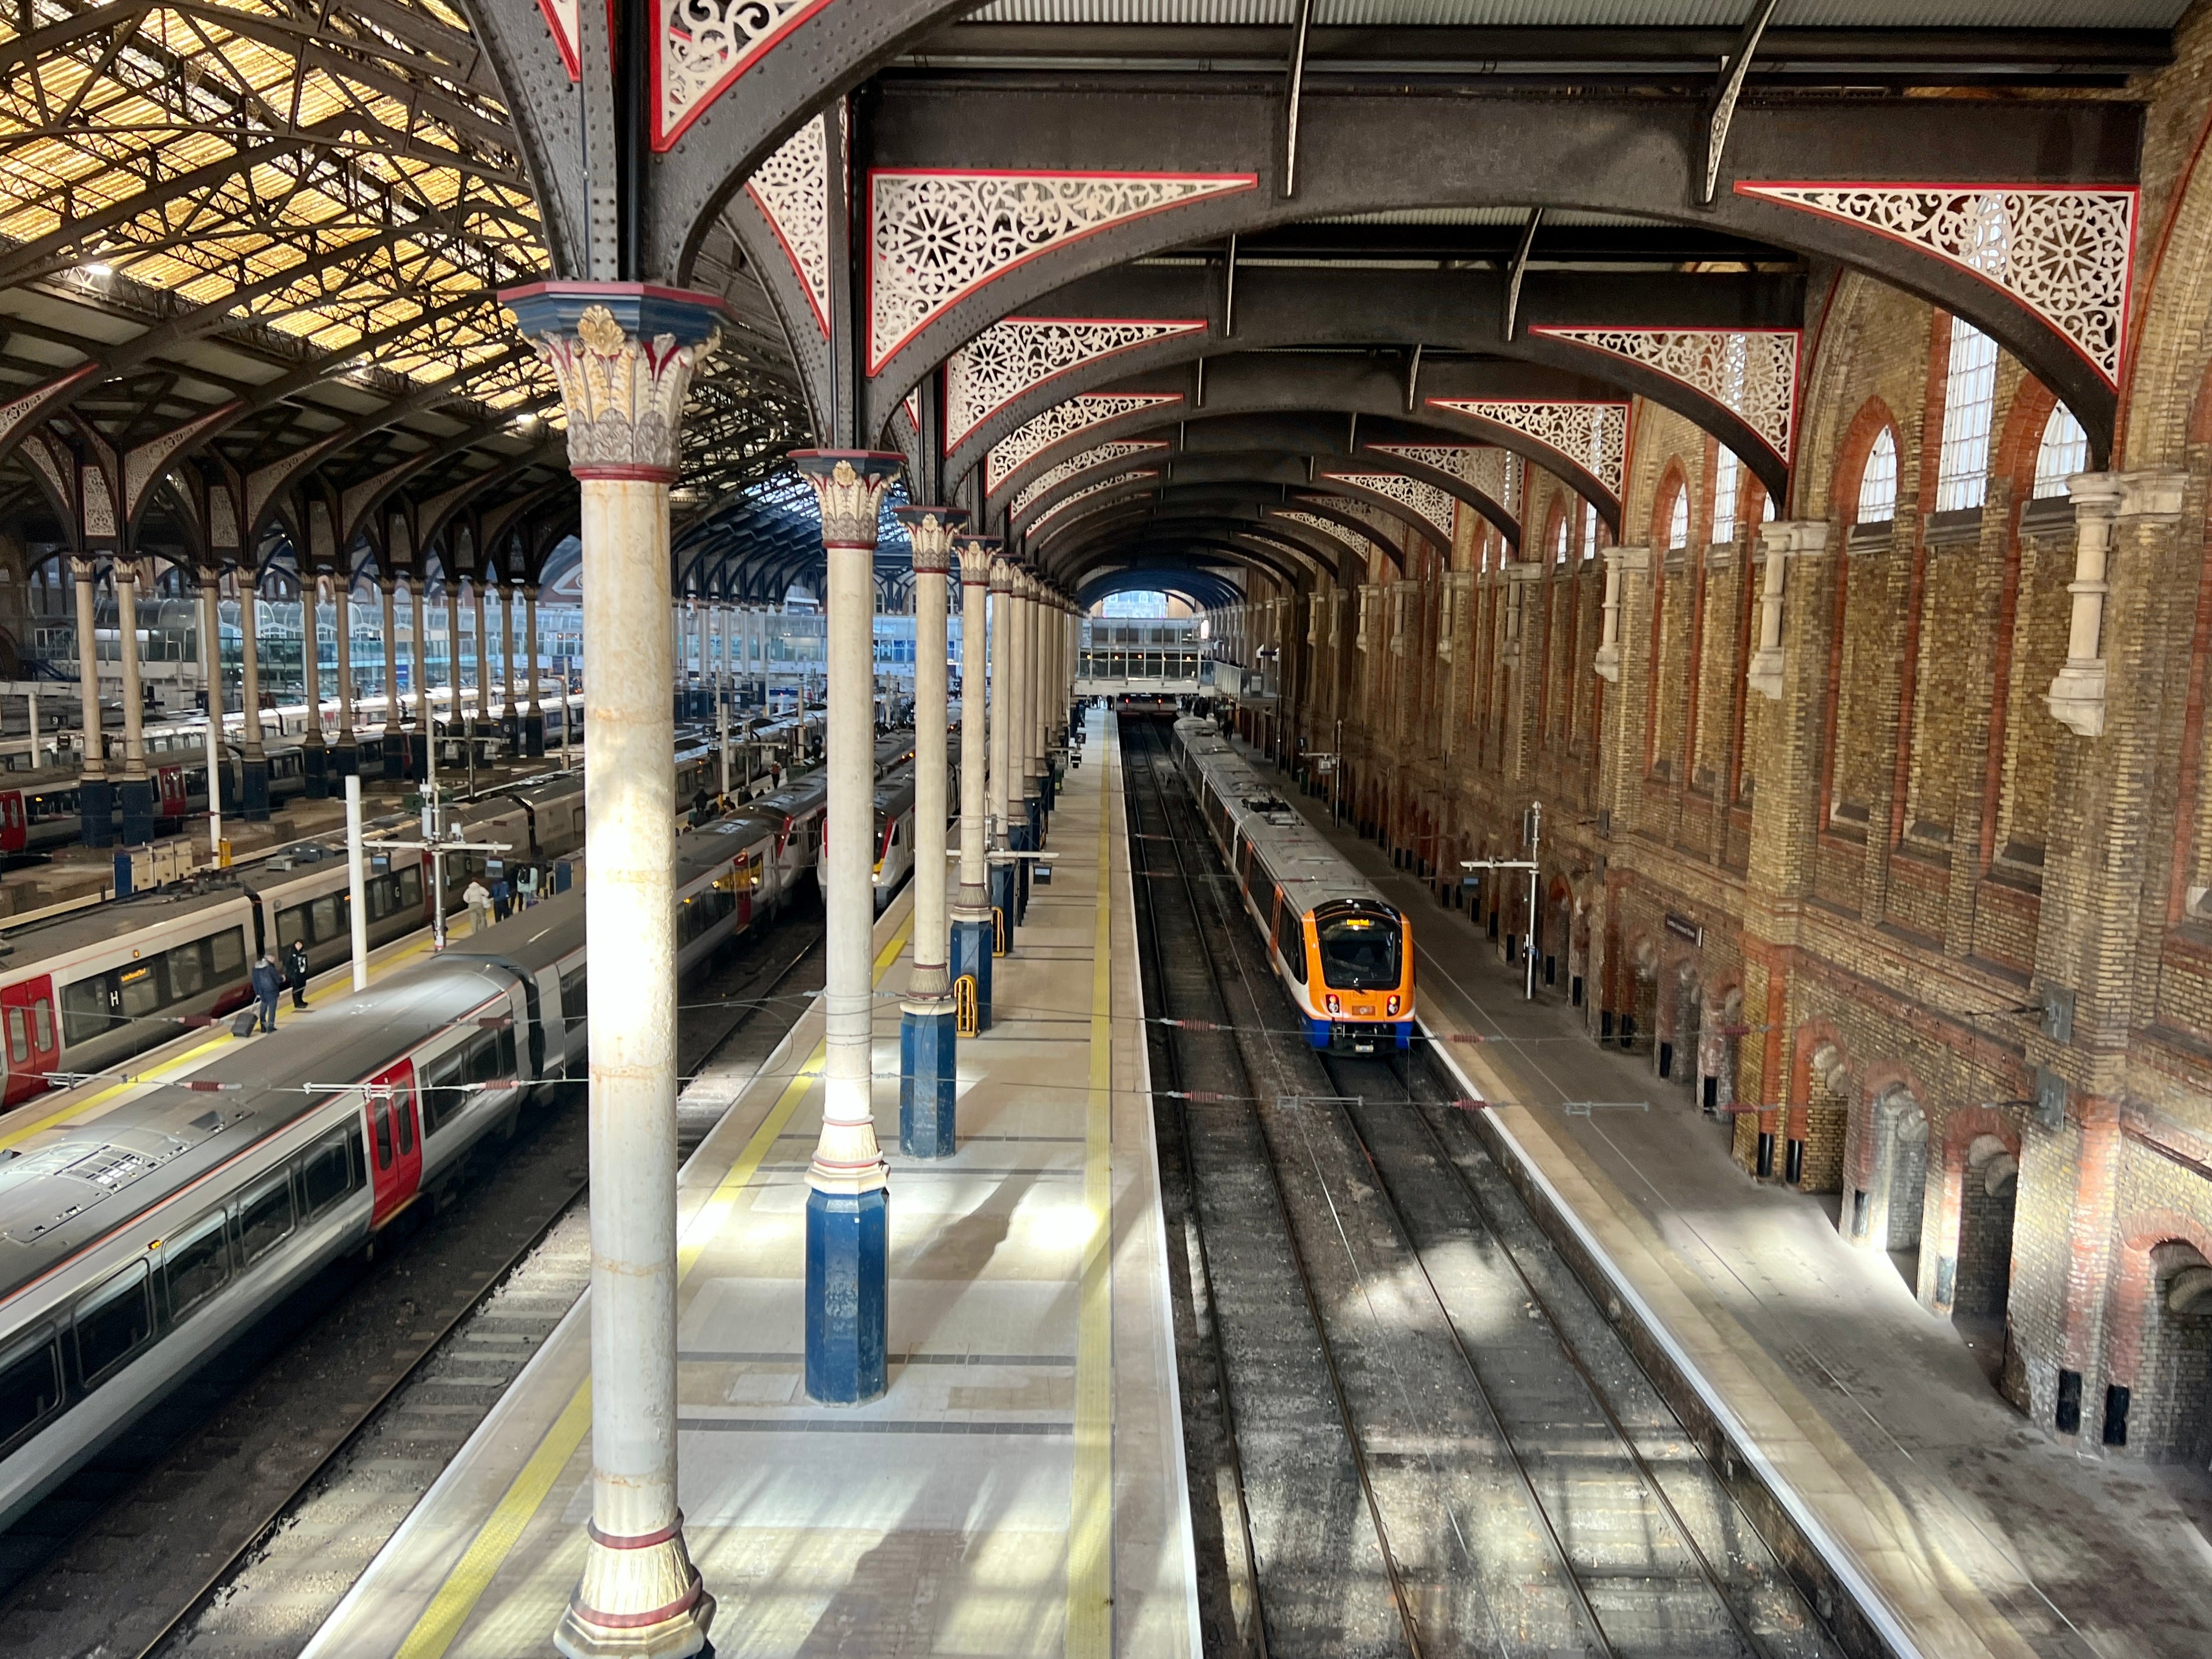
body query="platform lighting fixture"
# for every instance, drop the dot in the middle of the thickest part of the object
(98, 267)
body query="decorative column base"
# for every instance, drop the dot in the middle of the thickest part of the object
(971, 960)
(1764, 676)
(418, 753)
(137, 794)
(1607, 663)
(1005, 895)
(2076, 697)
(641, 1598)
(253, 788)
(847, 1302)
(928, 1078)
(315, 767)
(533, 736)
(345, 759)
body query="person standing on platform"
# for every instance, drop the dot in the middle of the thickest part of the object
(295, 972)
(526, 885)
(477, 897)
(502, 899)
(268, 985)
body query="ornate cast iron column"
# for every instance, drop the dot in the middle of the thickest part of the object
(927, 1080)
(1005, 799)
(96, 808)
(848, 1191)
(971, 906)
(137, 792)
(624, 355)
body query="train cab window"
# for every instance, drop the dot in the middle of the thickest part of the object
(19, 1042)
(113, 1323)
(483, 1059)
(187, 971)
(264, 1219)
(326, 1173)
(30, 1388)
(1359, 952)
(197, 1265)
(572, 994)
(227, 954)
(1291, 941)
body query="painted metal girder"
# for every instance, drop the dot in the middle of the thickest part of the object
(1371, 386)
(1238, 525)
(1443, 312)
(1463, 146)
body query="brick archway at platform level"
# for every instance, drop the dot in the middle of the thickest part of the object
(1679, 1019)
(1964, 1226)
(1559, 965)
(1818, 1117)
(1887, 1159)
(2163, 1361)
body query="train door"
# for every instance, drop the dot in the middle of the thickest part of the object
(15, 826)
(172, 791)
(34, 1036)
(394, 1133)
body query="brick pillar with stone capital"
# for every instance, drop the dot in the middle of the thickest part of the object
(971, 904)
(928, 1019)
(623, 356)
(848, 1186)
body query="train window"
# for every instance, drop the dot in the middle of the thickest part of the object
(506, 1066)
(328, 925)
(85, 1013)
(264, 1219)
(572, 994)
(380, 1112)
(1293, 943)
(19, 1044)
(113, 1323)
(227, 954)
(443, 1091)
(42, 1023)
(403, 1109)
(30, 1387)
(411, 886)
(484, 1058)
(326, 1172)
(196, 1266)
(139, 990)
(187, 971)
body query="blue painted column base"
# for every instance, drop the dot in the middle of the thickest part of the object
(928, 1082)
(345, 761)
(137, 795)
(315, 767)
(848, 1239)
(533, 736)
(96, 813)
(971, 959)
(1002, 901)
(253, 792)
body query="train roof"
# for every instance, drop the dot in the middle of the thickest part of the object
(99, 924)
(1305, 865)
(67, 1185)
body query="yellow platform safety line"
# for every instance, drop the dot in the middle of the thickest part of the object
(457, 1598)
(1089, 1634)
(174, 1064)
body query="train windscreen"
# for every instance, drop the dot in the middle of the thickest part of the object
(1359, 952)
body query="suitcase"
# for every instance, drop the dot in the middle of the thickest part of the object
(244, 1025)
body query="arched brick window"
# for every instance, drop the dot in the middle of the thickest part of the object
(1878, 480)
(1678, 520)
(2063, 452)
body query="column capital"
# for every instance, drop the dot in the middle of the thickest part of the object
(1002, 574)
(1628, 558)
(977, 555)
(850, 484)
(623, 355)
(1794, 537)
(930, 530)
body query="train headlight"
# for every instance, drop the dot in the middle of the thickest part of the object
(1391, 1007)
(1332, 1002)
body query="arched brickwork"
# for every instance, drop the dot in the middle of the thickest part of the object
(2129, 1300)
(1873, 418)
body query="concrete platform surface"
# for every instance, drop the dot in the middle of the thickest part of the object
(1020, 1488)
(1973, 1532)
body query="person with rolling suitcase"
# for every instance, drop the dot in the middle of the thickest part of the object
(268, 986)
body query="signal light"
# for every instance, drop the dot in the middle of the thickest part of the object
(1333, 1003)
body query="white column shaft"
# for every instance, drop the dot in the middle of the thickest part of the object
(930, 933)
(974, 728)
(134, 717)
(847, 1158)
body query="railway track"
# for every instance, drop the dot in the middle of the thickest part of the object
(235, 1519)
(1421, 1434)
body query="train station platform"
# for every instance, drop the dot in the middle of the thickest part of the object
(1958, 1529)
(1020, 1488)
